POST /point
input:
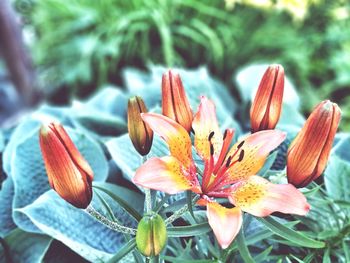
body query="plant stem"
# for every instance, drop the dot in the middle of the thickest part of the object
(148, 199)
(179, 212)
(112, 225)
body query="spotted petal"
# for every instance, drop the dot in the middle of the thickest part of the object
(225, 222)
(256, 148)
(259, 197)
(204, 124)
(165, 174)
(174, 134)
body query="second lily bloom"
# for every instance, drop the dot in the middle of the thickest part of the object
(266, 107)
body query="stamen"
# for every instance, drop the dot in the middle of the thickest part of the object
(225, 134)
(211, 149)
(228, 162)
(240, 145)
(228, 135)
(241, 156)
(211, 135)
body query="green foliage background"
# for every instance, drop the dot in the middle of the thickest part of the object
(83, 44)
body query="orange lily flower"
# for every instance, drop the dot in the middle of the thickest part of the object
(68, 172)
(228, 172)
(308, 154)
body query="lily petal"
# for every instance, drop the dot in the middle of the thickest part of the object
(174, 134)
(204, 124)
(259, 197)
(164, 174)
(225, 222)
(256, 148)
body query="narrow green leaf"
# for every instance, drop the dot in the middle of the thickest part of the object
(125, 197)
(262, 257)
(106, 206)
(187, 231)
(326, 256)
(242, 247)
(161, 203)
(174, 259)
(346, 249)
(290, 234)
(309, 258)
(189, 204)
(126, 249)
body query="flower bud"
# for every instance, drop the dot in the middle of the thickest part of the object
(175, 104)
(308, 154)
(68, 172)
(151, 235)
(140, 133)
(266, 108)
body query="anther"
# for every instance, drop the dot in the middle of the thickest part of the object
(211, 135)
(228, 162)
(241, 156)
(240, 145)
(225, 134)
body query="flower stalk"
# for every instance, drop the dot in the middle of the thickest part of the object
(110, 224)
(180, 212)
(148, 197)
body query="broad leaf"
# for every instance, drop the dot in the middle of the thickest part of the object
(6, 197)
(75, 228)
(24, 247)
(337, 179)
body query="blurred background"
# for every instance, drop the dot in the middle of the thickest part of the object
(57, 50)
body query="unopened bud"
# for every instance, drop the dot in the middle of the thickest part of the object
(175, 104)
(308, 154)
(266, 107)
(68, 172)
(140, 133)
(151, 235)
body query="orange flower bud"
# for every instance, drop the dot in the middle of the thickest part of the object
(140, 133)
(266, 108)
(175, 104)
(308, 154)
(68, 172)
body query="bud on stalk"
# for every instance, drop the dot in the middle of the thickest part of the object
(308, 154)
(68, 172)
(175, 104)
(151, 235)
(140, 133)
(266, 108)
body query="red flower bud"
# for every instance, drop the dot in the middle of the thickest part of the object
(175, 104)
(140, 133)
(308, 154)
(266, 108)
(68, 172)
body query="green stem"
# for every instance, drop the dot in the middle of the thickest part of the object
(180, 212)
(148, 198)
(110, 224)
